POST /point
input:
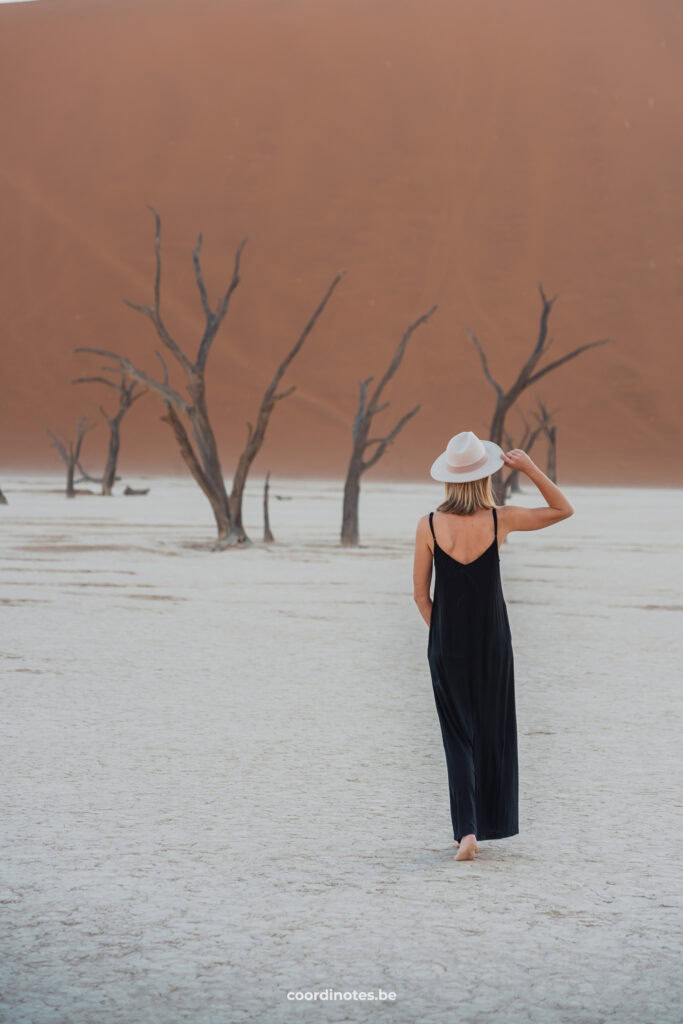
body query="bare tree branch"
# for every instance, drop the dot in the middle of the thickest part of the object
(59, 444)
(167, 392)
(396, 361)
(96, 380)
(565, 359)
(154, 312)
(215, 319)
(484, 362)
(200, 277)
(138, 394)
(386, 441)
(284, 394)
(280, 372)
(539, 348)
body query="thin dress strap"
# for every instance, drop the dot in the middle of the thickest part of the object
(431, 526)
(495, 523)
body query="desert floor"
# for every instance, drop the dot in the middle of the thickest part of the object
(224, 781)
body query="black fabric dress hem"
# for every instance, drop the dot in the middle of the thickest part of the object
(485, 836)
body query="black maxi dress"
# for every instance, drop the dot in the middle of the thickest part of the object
(471, 663)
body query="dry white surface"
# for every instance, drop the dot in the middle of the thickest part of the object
(223, 777)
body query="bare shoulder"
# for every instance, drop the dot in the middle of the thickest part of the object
(503, 511)
(503, 525)
(423, 525)
(423, 535)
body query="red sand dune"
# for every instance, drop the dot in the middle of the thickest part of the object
(440, 152)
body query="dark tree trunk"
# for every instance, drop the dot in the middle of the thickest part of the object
(112, 458)
(192, 462)
(205, 439)
(350, 532)
(236, 498)
(551, 471)
(267, 533)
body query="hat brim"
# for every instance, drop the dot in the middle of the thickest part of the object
(494, 462)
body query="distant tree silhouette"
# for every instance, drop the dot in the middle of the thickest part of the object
(527, 376)
(367, 410)
(545, 422)
(70, 451)
(127, 396)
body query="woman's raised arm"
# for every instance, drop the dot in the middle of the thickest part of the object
(515, 517)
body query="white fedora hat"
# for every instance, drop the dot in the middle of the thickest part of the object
(467, 458)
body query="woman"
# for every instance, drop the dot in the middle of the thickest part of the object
(470, 645)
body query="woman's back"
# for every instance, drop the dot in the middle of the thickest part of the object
(464, 537)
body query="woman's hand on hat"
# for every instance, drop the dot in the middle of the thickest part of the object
(518, 459)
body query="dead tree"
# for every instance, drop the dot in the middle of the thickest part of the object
(204, 463)
(70, 451)
(201, 457)
(367, 410)
(267, 535)
(527, 376)
(127, 396)
(256, 436)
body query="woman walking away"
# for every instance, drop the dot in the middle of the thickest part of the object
(469, 649)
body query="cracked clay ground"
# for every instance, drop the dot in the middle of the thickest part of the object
(223, 777)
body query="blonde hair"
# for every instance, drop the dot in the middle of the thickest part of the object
(464, 497)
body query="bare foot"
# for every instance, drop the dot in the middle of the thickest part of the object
(456, 843)
(468, 848)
